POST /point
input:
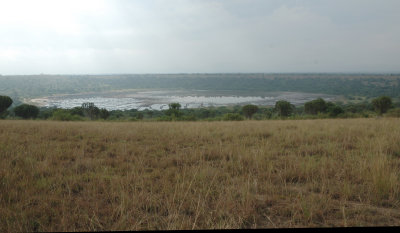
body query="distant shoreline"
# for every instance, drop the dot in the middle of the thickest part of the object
(159, 99)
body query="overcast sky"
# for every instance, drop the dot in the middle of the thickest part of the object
(196, 36)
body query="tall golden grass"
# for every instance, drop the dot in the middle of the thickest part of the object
(85, 176)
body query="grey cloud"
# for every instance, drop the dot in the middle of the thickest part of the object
(209, 36)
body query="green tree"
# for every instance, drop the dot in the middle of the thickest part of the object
(90, 110)
(174, 106)
(26, 111)
(315, 106)
(382, 104)
(174, 110)
(249, 110)
(5, 102)
(284, 108)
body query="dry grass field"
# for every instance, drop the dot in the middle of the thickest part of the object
(84, 176)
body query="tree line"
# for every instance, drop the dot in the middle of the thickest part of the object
(283, 109)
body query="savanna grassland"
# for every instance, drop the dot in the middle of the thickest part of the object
(84, 176)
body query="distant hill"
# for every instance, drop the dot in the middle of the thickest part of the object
(348, 85)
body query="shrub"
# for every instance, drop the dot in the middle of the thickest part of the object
(64, 115)
(190, 117)
(334, 111)
(164, 118)
(393, 112)
(232, 117)
(46, 113)
(77, 111)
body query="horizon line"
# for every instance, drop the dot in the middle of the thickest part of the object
(182, 73)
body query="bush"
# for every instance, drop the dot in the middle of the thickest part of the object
(393, 112)
(164, 118)
(190, 117)
(259, 116)
(4, 114)
(77, 111)
(206, 113)
(232, 117)
(46, 113)
(334, 111)
(64, 115)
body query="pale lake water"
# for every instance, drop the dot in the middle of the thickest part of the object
(159, 99)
